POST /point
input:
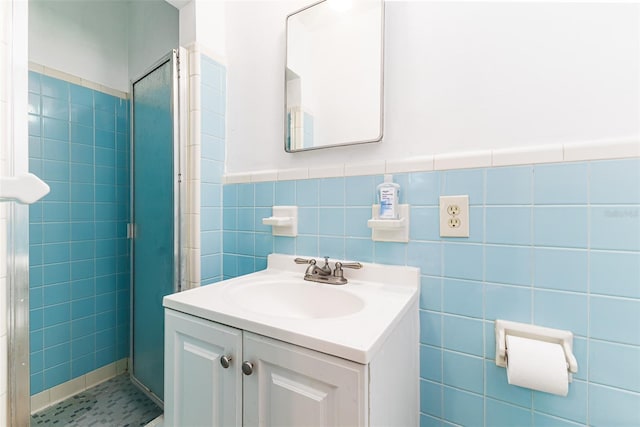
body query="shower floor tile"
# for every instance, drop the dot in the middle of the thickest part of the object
(114, 403)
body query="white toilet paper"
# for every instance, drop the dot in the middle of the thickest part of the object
(537, 365)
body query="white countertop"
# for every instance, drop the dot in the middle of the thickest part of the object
(387, 292)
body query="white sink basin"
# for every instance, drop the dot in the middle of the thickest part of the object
(297, 299)
(349, 321)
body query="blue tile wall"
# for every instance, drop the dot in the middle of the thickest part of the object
(213, 101)
(79, 255)
(556, 245)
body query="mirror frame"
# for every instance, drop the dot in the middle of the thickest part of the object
(382, 51)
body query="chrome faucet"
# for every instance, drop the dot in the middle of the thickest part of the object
(323, 274)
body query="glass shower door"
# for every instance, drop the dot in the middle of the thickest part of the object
(155, 247)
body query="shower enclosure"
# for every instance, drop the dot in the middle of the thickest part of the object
(155, 230)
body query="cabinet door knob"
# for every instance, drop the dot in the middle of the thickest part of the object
(247, 368)
(225, 361)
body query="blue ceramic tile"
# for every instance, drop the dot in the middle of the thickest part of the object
(463, 261)
(284, 245)
(624, 373)
(35, 298)
(508, 225)
(106, 157)
(332, 192)
(104, 284)
(308, 220)
(431, 398)
(508, 264)
(103, 101)
(105, 248)
(103, 266)
(500, 414)
(615, 182)
(105, 175)
(426, 256)
(462, 297)
(560, 184)
(580, 352)
(462, 371)
(507, 302)
(82, 365)
(390, 253)
(56, 335)
(55, 314)
(34, 82)
(543, 420)
(246, 265)
(36, 339)
(263, 194)
(83, 346)
(331, 221)
(230, 195)
(550, 230)
(34, 104)
(561, 310)
(105, 139)
(230, 265)
(259, 214)
(423, 189)
(425, 223)
(81, 134)
(55, 150)
(35, 276)
(57, 375)
(431, 363)
(246, 195)
(105, 120)
(82, 269)
(307, 246)
(105, 320)
(35, 125)
(356, 222)
(35, 148)
(246, 219)
(430, 328)
(431, 293)
(36, 319)
(573, 406)
(465, 181)
(82, 154)
(229, 219)
(82, 231)
(81, 115)
(307, 192)
(246, 244)
(81, 95)
(429, 421)
(463, 334)
(333, 247)
(498, 387)
(615, 273)
(57, 293)
(55, 212)
(57, 355)
(36, 360)
(615, 227)
(55, 108)
(55, 273)
(54, 88)
(229, 242)
(509, 185)
(211, 195)
(606, 315)
(55, 129)
(359, 249)
(463, 408)
(105, 193)
(613, 407)
(285, 193)
(360, 191)
(81, 192)
(561, 269)
(59, 192)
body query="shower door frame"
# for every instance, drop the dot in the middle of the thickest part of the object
(179, 115)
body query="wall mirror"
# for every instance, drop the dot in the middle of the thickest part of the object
(334, 74)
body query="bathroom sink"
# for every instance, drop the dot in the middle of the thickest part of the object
(349, 321)
(296, 299)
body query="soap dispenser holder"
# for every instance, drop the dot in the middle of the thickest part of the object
(283, 221)
(390, 230)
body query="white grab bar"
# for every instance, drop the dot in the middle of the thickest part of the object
(25, 189)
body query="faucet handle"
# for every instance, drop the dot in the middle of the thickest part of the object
(304, 261)
(355, 265)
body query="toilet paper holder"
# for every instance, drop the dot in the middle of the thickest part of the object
(525, 330)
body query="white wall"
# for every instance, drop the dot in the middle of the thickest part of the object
(85, 39)
(153, 32)
(459, 76)
(106, 42)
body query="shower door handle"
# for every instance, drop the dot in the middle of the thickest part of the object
(131, 231)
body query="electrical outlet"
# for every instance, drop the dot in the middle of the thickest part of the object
(454, 216)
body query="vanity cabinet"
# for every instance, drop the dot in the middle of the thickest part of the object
(286, 385)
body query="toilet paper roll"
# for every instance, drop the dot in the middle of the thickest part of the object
(537, 365)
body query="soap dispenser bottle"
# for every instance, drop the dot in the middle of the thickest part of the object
(388, 194)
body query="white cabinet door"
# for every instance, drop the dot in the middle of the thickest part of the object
(294, 386)
(198, 390)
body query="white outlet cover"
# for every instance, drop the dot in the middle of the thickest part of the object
(462, 202)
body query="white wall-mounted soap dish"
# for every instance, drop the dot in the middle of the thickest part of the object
(283, 221)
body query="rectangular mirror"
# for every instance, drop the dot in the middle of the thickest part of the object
(334, 74)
